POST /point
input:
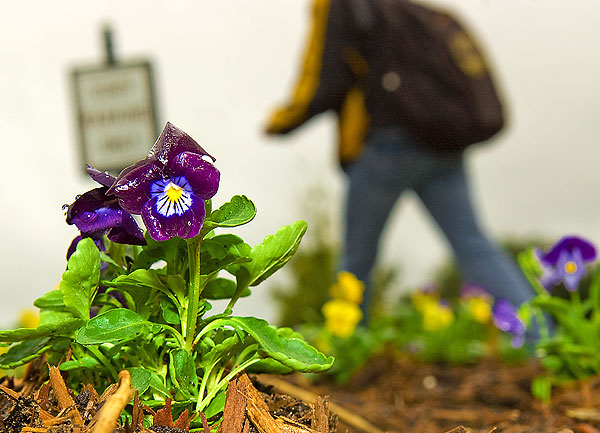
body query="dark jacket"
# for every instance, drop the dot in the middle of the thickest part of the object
(393, 63)
(332, 70)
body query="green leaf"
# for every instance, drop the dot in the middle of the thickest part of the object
(86, 362)
(169, 313)
(274, 252)
(177, 285)
(119, 324)
(184, 369)
(552, 363)
(61, 327)
(172, 251)
(48, 317)
(108, 259)
(80, 280)
(541, 388)
(24, 352)
(148, 278)
(157, 384)
(140, 379)
(552, 304)
(240, 210)
(269, 366)
(221, 251)
(217, 405)
(221, 288)
(291, 352)
(139, 285)
(50, 300)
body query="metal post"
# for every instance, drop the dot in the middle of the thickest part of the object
(108, 45)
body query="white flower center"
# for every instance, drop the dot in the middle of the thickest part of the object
(173, 195)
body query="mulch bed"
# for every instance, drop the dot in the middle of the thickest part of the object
(399, 395)
(390, 394)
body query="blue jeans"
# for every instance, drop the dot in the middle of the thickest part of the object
(392, 163)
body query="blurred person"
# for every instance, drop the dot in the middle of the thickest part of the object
(344, 70)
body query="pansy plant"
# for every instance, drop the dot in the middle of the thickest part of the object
(571, 335)
(159, 322)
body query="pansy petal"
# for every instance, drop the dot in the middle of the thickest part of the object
(128, 232)
(569, 243)
(96, 237)
(132, 187)
(518, 340)
(571, 267)
(572, 281)
(88, 201)
(99, 219)
(101, 177)
(184, 225)
(505, 318)
(201, 174)
(94, 211)
(173, 141)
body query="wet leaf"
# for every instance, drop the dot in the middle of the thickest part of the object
(80, 280)
(24, 352)
(113, 326)
(292, 352)
(240, 210)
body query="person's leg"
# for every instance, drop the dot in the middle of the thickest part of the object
(446, 195)
(375, 181)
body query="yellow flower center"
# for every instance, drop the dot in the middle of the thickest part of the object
(173, 192)
(570, 267)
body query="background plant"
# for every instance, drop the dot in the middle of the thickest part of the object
(571, 336)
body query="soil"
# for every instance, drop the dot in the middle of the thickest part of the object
(390, 394)
(400, 395)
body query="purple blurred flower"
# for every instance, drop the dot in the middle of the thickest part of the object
(506, 319)
(469, 291)
(566, 262)
(169, 186)
(97, 214)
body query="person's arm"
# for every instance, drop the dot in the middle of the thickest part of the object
(325, 77)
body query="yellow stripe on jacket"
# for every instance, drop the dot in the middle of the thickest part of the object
(295, 113)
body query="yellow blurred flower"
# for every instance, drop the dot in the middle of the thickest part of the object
(480, 309)
(29, 318)
(341, 317)
(348, 288)
(437, 316)
(422, 300)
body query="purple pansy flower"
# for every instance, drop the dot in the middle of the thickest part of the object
(566, 262)
(97, 214)
(168, 188)
(505, 318)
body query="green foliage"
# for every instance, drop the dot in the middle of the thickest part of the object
(80, 280)
(570, 328)
(148, 311)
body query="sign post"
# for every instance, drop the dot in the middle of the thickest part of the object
(115, 106)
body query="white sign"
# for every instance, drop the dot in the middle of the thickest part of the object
(116, 113)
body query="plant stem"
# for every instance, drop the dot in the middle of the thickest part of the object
(175, 334)
(213, 392)
(193, 291)
(100, 356)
